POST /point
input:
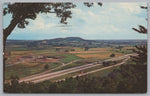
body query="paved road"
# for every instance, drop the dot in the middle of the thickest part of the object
(48, 71)
(60, 73)
(47, 76)
(82, 74)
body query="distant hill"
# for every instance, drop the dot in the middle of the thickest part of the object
(75, 42)
(67, 39)
(73, 39)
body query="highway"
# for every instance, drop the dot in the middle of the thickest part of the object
(82, 74)
(48, 71)
(60, 73)
(47, 76)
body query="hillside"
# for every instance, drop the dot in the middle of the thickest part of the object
(75, 42)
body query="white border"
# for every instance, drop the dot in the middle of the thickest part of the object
(1, 47)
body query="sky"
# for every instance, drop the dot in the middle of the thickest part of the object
(111, 21)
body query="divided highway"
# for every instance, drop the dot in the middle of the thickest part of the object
(42, 77)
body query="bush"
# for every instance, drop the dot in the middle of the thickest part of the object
(46, 66)
(112, 55)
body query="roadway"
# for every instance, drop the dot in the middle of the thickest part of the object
(46, 76)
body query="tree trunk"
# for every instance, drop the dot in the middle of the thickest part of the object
(6, 33)
(9, 29)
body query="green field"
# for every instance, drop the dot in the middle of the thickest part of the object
(68, 57)
(23, 70)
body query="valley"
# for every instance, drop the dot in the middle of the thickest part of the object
(43, 61)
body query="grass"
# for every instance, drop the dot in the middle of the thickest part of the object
(100, 55)
(17, 48)
(49, 51)
(103, 73)
(23, 70)
(75, 64)
(96, 74)
(27, 69)
(68, 57)
(65, 76)
(53, 65)
(107, 71)
(100, 49)
(93, 68)
(123, 51)
(78, 63)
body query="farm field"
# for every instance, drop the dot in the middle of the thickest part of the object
(34, 58)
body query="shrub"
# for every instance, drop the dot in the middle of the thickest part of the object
(112, 55)
(46, 66)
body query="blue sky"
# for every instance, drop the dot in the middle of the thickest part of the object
(111, 21)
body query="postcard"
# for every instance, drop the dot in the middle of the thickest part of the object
(72, 47)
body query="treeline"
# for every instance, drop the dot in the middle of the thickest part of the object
(130, 78)
(75, 42)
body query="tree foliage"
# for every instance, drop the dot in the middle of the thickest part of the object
(86, 48)
(46, 66)
(141, 29)
(128, 78)
(141, 50)
(21, 12)
(142, 54)
(112, 55)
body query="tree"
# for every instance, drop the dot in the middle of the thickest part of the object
(86, 48)
(9, 53)
(72, 50)
(57, 49)
(66, 50)
(119, 47)
(23, 11)
(141, 50)
(46, 66)
(112, 55)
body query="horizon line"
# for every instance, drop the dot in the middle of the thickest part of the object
(66, 37)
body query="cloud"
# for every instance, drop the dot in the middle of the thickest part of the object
(40, 24)
(111, 21)
(91, 13)
(131, 7)
(77, 11)
(113, 18)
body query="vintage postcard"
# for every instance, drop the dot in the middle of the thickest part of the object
(75, 47)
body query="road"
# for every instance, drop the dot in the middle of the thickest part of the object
(47, 76)
(48, 71)
(82, 74)
(59, 73)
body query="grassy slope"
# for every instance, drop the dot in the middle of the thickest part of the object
(23, 70)
(68, 57)
(107, 71)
